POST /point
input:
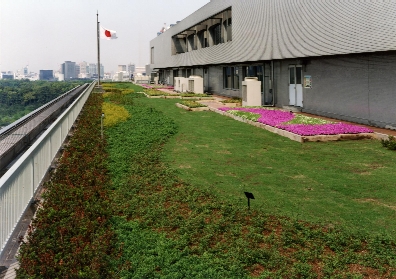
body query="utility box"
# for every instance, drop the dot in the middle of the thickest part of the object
(183, 82)
(251, 92)
(176, 84)
(195, 84)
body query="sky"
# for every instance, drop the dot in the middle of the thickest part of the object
(44, 33)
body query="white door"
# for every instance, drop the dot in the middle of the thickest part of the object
(295, 86)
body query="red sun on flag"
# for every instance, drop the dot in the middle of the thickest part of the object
(107, 34)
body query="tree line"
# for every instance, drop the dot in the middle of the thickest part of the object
(19, 97)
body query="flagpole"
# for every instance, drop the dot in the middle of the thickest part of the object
(97, 28)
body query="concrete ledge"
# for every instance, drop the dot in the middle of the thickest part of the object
(231, 105)
(299, 138)
(196, 98)
(191, 109)
(172, 97)
(154, 97)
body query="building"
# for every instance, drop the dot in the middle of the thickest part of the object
(68, 69)
(131, 68)
(122, 68)
(330, 58)
(7, 75)
(46, 75)
(93, 69)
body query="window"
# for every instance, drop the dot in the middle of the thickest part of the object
(191, 42)
(236, 78)
(152, 56)
(215, 32)
(212, 31)
(202, 40)
(229, 30)
(179, 44)
(231, 78)
(227, 77)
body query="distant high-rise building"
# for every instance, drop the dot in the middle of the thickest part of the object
(25, 71)
(93, 69)
(69, 70)
(131, 68)
(122, 68)
(77, 70)
(84, 68)
(46, 75)
(6, 75)
(101, 70)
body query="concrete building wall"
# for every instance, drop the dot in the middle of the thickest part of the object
(358, 88)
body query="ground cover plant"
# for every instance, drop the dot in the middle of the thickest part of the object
(232, 100)
(304, 126)
(154, 92)
(192, 104)
(71, 236)
(169, 227)
(176, 181)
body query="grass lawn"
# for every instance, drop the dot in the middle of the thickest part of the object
(348, 183)
(178, 179)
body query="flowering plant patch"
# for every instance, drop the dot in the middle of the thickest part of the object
(300, 125)
(246, 115)
(192, 104)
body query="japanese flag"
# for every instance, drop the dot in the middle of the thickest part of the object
(107, 34)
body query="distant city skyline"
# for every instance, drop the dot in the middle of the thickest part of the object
(44, 34)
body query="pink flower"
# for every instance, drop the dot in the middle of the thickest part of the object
(275, 118)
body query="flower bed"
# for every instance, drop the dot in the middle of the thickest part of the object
(303, 126)
(192, 105)
(157, 86)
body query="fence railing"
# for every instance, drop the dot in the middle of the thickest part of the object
(20, 183)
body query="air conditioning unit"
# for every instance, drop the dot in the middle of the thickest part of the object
(176, 84)
(183, 82)
(195, 84)
(251, 92)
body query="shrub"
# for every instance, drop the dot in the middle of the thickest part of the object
(389, 143)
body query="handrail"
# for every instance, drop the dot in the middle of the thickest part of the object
(20, 183)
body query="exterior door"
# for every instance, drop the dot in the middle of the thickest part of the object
(295, 86)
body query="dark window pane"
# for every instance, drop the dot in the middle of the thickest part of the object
(292, 79)
(298, 75)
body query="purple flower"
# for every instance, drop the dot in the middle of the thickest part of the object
(324, 129)
(275, 118)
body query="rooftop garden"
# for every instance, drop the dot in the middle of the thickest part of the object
(162, 197)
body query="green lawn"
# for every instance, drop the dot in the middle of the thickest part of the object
(346, 183)
(178, 179)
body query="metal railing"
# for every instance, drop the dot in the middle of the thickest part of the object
(20, 183)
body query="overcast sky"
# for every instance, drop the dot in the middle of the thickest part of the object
(45, 33)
